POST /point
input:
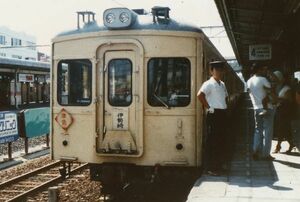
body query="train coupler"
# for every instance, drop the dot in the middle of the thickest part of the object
(65, 170)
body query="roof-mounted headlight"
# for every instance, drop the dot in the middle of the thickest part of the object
(118, 18)
(110, 18)
(124, 17)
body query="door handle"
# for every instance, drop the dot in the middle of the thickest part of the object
(104, 130)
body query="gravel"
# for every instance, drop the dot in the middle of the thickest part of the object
(77, 188)
(19, 145)
(24, 168)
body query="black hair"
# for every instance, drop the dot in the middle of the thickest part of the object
(257, 67)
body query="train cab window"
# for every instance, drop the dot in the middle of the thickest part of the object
(120, 82)
(74, 85)
(169, 82)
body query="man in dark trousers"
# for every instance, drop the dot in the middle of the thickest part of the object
(213, 95)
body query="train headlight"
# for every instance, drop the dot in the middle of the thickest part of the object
(118, 18)
(110, 18)
(124, 17)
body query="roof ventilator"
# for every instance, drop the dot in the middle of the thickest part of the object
(161, 14)
(85, 14)
(140, 11)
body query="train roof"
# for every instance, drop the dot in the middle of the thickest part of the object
(142, 22)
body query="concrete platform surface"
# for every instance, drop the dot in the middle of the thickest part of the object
(252, 181)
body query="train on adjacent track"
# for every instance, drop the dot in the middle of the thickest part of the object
(124, 94)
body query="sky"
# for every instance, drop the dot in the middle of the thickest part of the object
(44, 19)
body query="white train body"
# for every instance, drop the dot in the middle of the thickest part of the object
(129, 95)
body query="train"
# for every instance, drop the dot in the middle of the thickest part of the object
(124, 94)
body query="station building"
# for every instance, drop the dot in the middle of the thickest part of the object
(24, 82)
(10, 39)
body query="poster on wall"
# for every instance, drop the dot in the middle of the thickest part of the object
(8, 127)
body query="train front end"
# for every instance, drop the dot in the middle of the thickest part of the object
(124, 95)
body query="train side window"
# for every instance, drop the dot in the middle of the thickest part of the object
(169, 82)
(120, 82)
(74, 85)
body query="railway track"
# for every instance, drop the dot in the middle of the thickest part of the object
(20, 187)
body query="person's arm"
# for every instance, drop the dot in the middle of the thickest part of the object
(270, 91)
(288, 95)
(274, 96)
(202, 93)
(227, 95)
(202, 99)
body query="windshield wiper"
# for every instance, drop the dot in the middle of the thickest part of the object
(156, 96)
(161, 101)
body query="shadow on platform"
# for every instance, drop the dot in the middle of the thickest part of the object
(249, 180)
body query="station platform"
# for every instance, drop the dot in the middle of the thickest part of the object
(248, 180)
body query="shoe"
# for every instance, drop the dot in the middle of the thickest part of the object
(212, 173)
(269, 158)
(290, 149)
(277, 150)
(264, 112)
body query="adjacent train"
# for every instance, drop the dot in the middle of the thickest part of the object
(124, 94)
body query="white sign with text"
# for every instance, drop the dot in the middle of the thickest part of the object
(260, 52)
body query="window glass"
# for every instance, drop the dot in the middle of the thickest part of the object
(16, 42)
(169, 82)
(2, 40)
(74, 85)
(120, 82)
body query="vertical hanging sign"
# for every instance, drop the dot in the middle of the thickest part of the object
(120, 119)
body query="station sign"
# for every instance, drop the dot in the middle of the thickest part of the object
(26, 78)
(260, 52)
(8, 127)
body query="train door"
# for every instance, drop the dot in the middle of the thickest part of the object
(119, 117)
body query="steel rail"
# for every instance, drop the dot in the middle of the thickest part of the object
(44, 185)
(28, 174)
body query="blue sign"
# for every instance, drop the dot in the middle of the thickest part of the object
(8, 127)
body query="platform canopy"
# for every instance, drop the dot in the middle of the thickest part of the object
(263, 31)
(24, 64)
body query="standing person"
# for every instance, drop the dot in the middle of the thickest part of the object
(258, 86)
(284, 113)
(212, 95)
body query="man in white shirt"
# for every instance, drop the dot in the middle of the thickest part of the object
(258, 86)
(212, 95)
